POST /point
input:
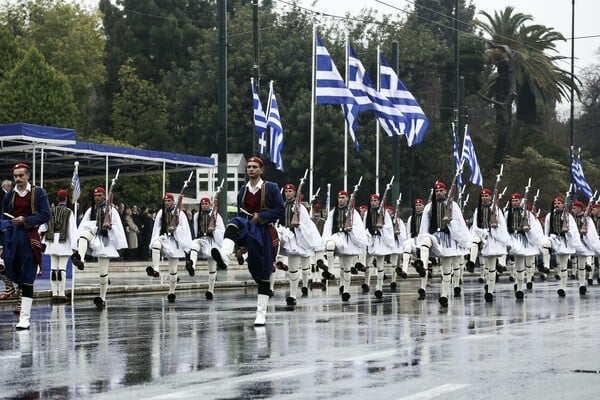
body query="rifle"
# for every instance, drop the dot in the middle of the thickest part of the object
(327, 201)
(107, 223)
(212, 220)
(495, 199)
(351, 203)
(567, 210)
(382, 204)
(313, 199)
(296, 215)
(175, 218)
(525, 223)
(397, 215)
(452, 192)
(586, 214)
(534, 209)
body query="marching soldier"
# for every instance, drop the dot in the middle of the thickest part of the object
(172, 238)
(101, 233)
(380, 235)
(25, 208)
(60, 238)
(444, 233)
(345, 236)
(590, 244)
(259, 205)
(299, 239)
(596, 220)
(410, 246)
(489, 227)
(319, 254)
(208, 233)
(562, 237)
(397, 248)
(527, 236)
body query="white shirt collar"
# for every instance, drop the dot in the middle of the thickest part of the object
(24, 193)
(254, 189)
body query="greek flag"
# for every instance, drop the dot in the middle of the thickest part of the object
(368, 98)
(455, 154)
(416, 124)
(260, 121)
(330, 88)
(75, 185)
(274, 122)
(577, 174)
(468, 154)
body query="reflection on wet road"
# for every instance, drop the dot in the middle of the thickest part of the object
(399, 348)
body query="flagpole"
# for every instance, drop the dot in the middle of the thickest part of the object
(312, 112)
(346, 125)
(377, 130)
(75, 199)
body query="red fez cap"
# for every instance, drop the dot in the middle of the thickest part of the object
(62, 193)
(255, 159)
(439, 185)
(558, 199)
(99, 190)
(363, 207)
(205, 200)
(316, 206)
(342, 193)
(389, 207)
(169, 196)
(578, 204)
(486, 191)
(596, 205)
(374, 196)
(20, 165)
(515, 196)
(419, 201)
(288, 186)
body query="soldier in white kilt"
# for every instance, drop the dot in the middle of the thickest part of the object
(489, 228)
(100, 236)
(443, 235)
(170, 240)
(60, 238)
(584, 258)
(299, 239)
(398, 247)
(410, 245)
(562, 238)
(596, 220)
(344, 240)
(208, 231)
(527, 237)
(380, 234)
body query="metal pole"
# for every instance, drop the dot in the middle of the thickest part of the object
(222, 100)
(572, 116)
(396, 139)
(255, 67)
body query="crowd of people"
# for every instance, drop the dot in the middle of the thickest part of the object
(274, 229)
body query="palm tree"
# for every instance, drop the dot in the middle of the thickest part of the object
(525, 71)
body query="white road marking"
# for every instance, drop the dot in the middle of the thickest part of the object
(435, 392)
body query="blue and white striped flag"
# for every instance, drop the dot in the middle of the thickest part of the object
(330, 88)
(468, 154)
(455, 155)
(578, 177)
(368, 98)
(260, 121)
(274, 122)
(75, 185)
(392, 87)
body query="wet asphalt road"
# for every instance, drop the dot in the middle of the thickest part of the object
(142, 347)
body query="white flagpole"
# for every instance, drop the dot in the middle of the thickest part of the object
(346, 124)
(312, 111)
(377, 129)
(76, 171)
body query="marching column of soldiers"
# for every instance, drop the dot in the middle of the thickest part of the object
(275, 229)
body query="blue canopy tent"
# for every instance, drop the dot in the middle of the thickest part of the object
(55, 150)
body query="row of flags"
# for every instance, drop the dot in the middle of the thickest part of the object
(394, 106)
